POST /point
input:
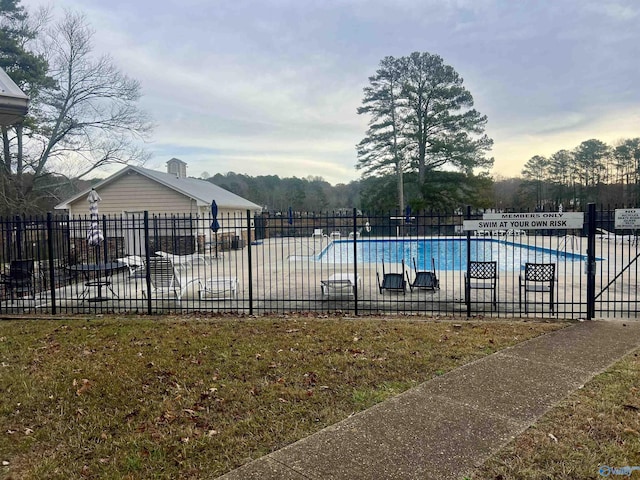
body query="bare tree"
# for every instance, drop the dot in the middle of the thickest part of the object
(89, 117)
(93, 115)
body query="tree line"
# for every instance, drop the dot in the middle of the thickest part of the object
(592, 172)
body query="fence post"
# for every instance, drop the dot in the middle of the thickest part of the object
(249, 260)
(591, 260)
(147, 260)
(52, 274)
(467, 296)
(355, 259)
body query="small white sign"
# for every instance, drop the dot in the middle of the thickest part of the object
(627, 218)
(526, 221)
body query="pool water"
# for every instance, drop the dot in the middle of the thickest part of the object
(447, 253)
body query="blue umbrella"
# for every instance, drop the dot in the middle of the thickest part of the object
(215, 226)
(290, 220)
(408, 214)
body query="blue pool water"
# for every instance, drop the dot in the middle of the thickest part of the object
(448, 253)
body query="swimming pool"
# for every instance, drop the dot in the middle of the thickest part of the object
(448, 253)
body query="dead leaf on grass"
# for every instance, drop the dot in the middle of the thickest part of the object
(86, 385)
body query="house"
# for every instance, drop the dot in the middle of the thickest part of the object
(179, 210)
(13, 101)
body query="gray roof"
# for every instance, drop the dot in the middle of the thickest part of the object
(199, 190)
(13, 101)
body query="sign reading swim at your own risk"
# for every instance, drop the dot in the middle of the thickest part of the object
(526, 221)
(627, 218)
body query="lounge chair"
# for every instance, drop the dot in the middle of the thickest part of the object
(424, 280)
(166, 278)
(481, 276)
(538, 278)
(218, 288)
(341, 285)
(21, 278)
(134, 263)
(394, 282)
(317, 232)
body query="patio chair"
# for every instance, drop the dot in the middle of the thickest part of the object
(481, 276)
(340, 285)
(424, 279)
(394, 282)
(21, 279)
(166, 278)
(538, 278)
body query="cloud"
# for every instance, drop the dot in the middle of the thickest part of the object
(272, 87)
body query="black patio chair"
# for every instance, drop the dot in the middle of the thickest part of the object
(21, 278)
(481, 276)
(537, 278)
(394, 282)
(424, 279)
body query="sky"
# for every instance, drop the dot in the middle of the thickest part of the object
(271, 87)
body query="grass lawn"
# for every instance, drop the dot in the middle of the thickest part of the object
(191, 398)
(596, 427)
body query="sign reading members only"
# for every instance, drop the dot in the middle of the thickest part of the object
(526, 221)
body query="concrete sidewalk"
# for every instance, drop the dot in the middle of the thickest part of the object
(445, 427)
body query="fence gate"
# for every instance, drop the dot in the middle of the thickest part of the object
(616, 264)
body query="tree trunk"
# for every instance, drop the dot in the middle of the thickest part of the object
(6, 151)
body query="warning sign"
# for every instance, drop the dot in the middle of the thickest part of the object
(627, 218)
(526, 221)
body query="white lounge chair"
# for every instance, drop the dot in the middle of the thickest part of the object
(183, 260)
(318, 233)
(340, 285)
(166, 278)
(134, 263)
(219, 288)
(335, 235)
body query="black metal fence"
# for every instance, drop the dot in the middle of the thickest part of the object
(400, 263)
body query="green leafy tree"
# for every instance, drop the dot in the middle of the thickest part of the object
(422, 120)
(441, 127)
(561, 170)
(627, 161)
(536, 175)
(590, 158)
(381, 151)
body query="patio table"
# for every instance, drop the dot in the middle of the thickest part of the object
(97, 275)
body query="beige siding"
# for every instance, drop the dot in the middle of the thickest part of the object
(135, 193)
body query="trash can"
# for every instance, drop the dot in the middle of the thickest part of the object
(237, 243)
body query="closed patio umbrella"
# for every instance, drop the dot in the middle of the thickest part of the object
(215, 225)
(290, 218)
(94, 234)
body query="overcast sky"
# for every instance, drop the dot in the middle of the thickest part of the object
(267, 87)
